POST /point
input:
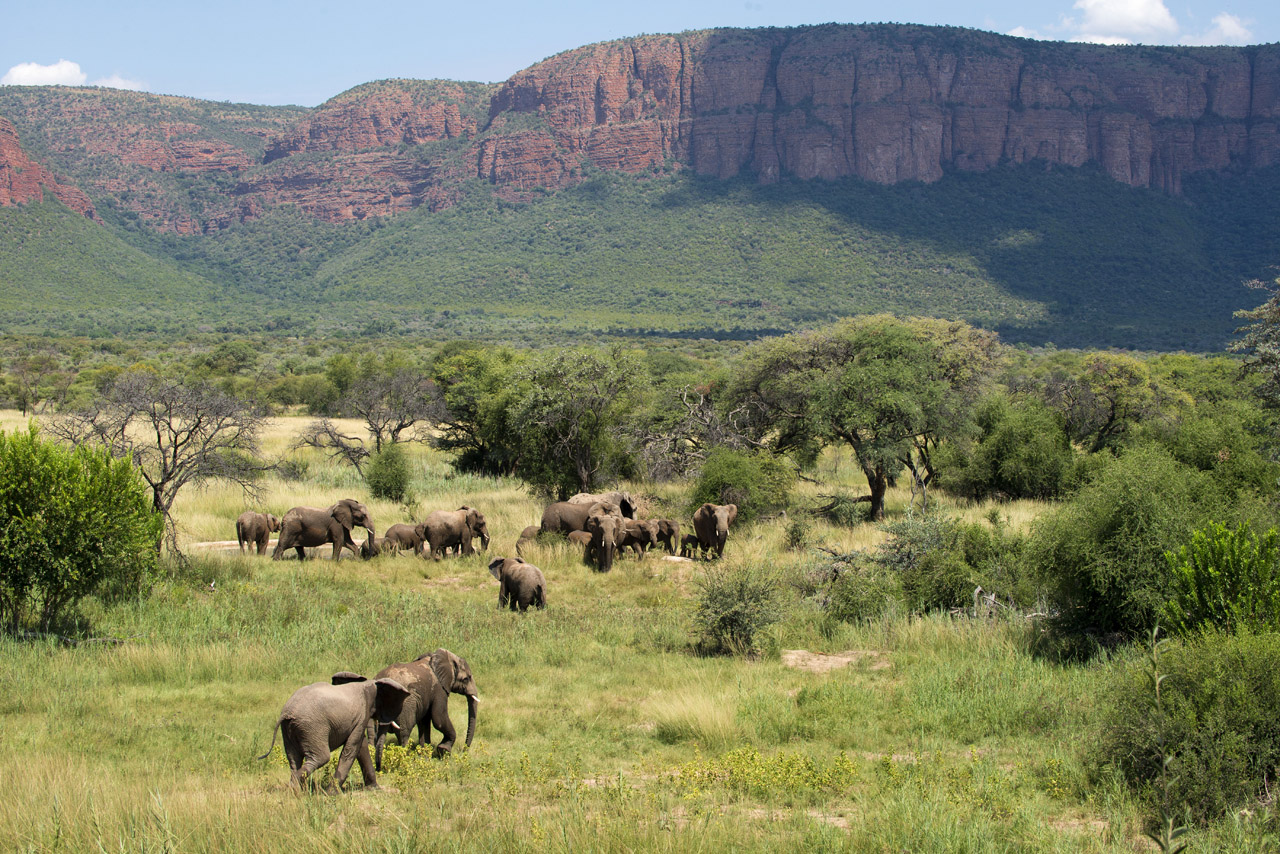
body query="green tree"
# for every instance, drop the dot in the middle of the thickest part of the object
(72, 523)
(479, 389)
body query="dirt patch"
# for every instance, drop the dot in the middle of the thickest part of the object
(825, 662)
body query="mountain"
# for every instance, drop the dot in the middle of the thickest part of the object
(277, 205)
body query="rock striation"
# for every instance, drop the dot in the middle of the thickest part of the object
(22, 180)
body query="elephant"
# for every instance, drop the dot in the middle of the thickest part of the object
(310, 526)
(408, 536)
(528, 535)
(638, 535)
(446, 528)
(323, 716)
(520, 584)
(256, 529)
(711, 523)
(689, 545)
(430, 679)
(626, 504)
(379, 546)
(606, 530)
(669, 535)
(579, 538)
(563, 517)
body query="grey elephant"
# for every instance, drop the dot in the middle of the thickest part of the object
(669, 535)
(520, 584)
(324, 716)
(639, 536)
(626, 504)
(307, 527)
(711, 523)
(689, 546)
(563, 517)
(379, 546)
(408, 537)
(527, 536)
(255, 529)
(445, 529)
(605, 530)
(430, 679)
(579, 538)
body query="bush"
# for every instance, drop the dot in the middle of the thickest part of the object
(734, 606)
(755, 481)
(1225, 579)
(387, 474)
(1101, 554)
(72, 523)
(1217, 720)
(861, 590)
(1021, 451)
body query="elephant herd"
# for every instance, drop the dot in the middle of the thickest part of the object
(350, 710)
(323, 716)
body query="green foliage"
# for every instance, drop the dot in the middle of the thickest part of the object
(1218, 698)
(735, 605)
(387, 473)
(72, 523)
(1101, 554)
(1225, 579)
(758, 482)
(1020, 451)
(860, 589)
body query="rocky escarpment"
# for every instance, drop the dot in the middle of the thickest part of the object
(22, 180)
(888, 104)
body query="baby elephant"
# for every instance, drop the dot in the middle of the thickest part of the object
(519, 584)
(321, 717)
(255, 529)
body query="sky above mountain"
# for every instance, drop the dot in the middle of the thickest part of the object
(295, 52)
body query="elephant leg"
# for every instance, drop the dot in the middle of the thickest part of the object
(355, 748)
(377, 750)
(302, 552)
(503, 598)
(448, 735)
(262, 544)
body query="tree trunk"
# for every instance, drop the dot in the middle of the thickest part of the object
(878, 482)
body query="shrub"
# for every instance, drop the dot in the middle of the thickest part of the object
(861, 590)
(1101, 554)
(72, 523)
(1217, 720)
(1225, 579)
(387, 473)
(1021, 451)
(757, 482)
(734, 606)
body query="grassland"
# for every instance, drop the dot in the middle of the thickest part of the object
(599, 729)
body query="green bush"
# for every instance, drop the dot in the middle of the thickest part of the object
(387, 474)
(1225, 579)
(72, 523)
(1100, 555)
(1021, 451)
(861, 590)
(735, 605)
(1217, 719)
(755, 481)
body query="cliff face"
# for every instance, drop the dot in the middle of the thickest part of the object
(885, 103)
(23, 180)
(892, 104)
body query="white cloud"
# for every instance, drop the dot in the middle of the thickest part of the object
(115, 81)
(1121, 21)
(1024, 33)
(1226, 29)
(61, 73)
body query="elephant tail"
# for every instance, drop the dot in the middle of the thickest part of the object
(273, 741)
(539, 597)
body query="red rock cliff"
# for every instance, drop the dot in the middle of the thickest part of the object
(22, 180)
(887, 103)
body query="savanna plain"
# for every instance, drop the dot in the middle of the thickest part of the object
(600, 726)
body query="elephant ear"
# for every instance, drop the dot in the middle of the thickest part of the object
(445, 666)
(733, 512)
(390, 687)
(342, 512)
(495, 567)
(346, 676)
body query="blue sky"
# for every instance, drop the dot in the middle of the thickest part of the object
(293, 52)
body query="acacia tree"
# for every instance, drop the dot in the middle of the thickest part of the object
(1260, 339)
(176, 433)
(478, 390)
(889, 389)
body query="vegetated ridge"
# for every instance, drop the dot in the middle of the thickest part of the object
(810, 107)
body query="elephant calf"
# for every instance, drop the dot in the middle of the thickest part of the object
(408, 537)
(520, 584)
(322, 717)
(255, 529)
(430, 679)
(639, 536)
(669, 535)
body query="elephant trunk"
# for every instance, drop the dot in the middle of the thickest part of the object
(473, 703)
(606, 555)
